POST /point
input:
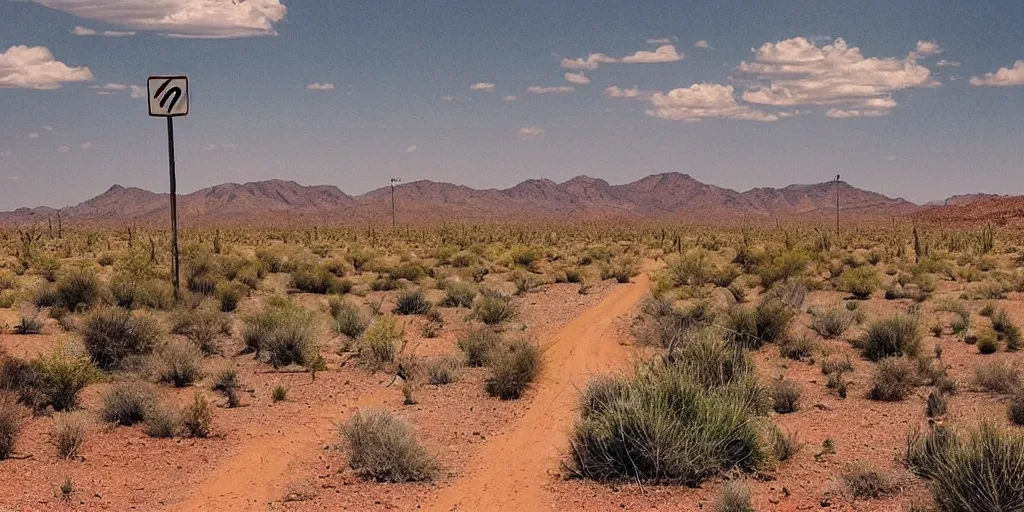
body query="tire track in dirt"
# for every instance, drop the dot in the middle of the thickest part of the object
(257, 474)
(511, 470)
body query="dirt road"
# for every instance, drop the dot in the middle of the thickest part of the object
(510, 471)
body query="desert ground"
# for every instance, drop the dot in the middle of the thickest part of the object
(505, 367)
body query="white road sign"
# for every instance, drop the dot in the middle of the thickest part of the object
(168, 96)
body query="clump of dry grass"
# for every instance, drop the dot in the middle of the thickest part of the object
(384, 448)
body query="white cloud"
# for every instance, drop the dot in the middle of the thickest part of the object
(36, 68)
(210, 147)
(701, 101)
(531, 132)
(228, 146)
(181, 18)
(1004, 77)
(891, 158)
(62, 149)
(411, 149)
(703, 45)
(537, 89)
(108, 88)
(798, 72)
(85, 145)
(12, 178)
(317, 86)
(664, 53)
(82, 31)
(948, 63)
(6, 153)
(33, 135)
(663, 40)
(617, 92)
(47, 127)
(483, 86)
(927, 48)
(509, 98)
(577, 78)
(138, 91)
(592, 62)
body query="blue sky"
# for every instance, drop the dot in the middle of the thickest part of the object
(920, 99)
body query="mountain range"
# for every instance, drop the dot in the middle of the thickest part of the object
(661, 196)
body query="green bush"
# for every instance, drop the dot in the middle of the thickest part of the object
(477, 344)
(279, 393)
(283, 333)
(752, 328)
(114, 336)
(860, 282)
(384, 448)
(79, 289)
(458, 295)
(1015, 408)
(937, 404)
(665, 427)
(202, 326)
(797, 348)
(972, 471)
(62, 376)
(987, 342)
(347, 318)
(784, 446)
(162, 421)
(381, 342)
(787, 265)
(893, 380)
(29, 325)
(197, 417)
(127, 403)
(785, 396)
(229, 294)
(442, 371)
(178, 363)
(412, 302)
(831, 323)
(897, 335)
(710, 361)
(315, 280)
(493, 308)
(513, 368)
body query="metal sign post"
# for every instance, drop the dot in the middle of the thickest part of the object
(394, 211)
(168, 97)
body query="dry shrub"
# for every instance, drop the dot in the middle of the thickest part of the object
(115, 337)
(68, 433)
(384, 448)
(513, 369)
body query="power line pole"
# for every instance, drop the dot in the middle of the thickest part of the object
(174, 210)
(837, 206)
(394, 215)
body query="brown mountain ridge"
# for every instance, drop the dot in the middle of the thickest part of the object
(660, 196)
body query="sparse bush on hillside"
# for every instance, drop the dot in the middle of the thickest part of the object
(68, 433)
(860, 282)
(458, 295)
(79, 289)
(384, 448)
(785, 396)
(127, 403)
(347, 318)
(381, 342)
(831, 323)
(202, 326)
(12, 421)
(282, 334)
(734, 497)
(412, 302)
(178, 363)
(863, 481)
(997, 377)
(753, 327)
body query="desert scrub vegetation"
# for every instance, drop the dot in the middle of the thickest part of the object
(492, 307)
(664, 425)
(381, 343)
(859, 282)
(116, 338)
(283, 333)
(734, 496)
(831, 323)
(458, 295)
(384, 448)
(127, 403)
(68, 433)
(997, 377)
(178, 363)
(346, 318)
(203, 326)
(443, 370)
(864, 481)
(12, 420)
(896, 335)
(753, 327)
(894, 378)
(785, 396)
(477, 344)
(412, 302)
(974, 470)
(513, 368)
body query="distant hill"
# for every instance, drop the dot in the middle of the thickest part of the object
(976, 209)
(660, 196)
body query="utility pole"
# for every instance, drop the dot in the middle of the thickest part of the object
(394, 215)
(174, 210)
(837, 207)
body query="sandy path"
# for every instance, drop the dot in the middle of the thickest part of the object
(511, 470)
(257, 474)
